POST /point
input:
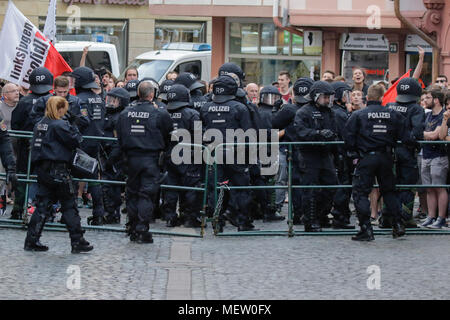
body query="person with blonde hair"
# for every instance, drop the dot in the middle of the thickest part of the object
(53, 145)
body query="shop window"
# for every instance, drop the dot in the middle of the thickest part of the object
(194, 67)
(175, 31)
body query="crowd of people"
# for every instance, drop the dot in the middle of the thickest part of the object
(145, 116)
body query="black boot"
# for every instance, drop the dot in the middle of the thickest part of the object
(32, 242)
(398, 229)
(297, 220)
(81, 246)
(228, 215)
(365, 234)
(111, 219)
(273, 216)
(385, 222)
(144, 237)
(312, 223)
(172, 222)
(339, 222)
(192, 222)
(95, 221)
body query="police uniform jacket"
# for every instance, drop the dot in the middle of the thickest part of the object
(54, 140)
(144, 129)
(414, 116)
(6, 151)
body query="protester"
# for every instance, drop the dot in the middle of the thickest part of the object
(328, 76)
(284, 80)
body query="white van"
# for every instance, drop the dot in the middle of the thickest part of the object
(179, 57)
(100, 55)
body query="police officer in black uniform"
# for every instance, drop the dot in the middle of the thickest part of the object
(189, 80)
(41, 83)
(143, 132)
(371, 133)
(284, 120)
(341, 211)
(269, 102)
(225, 113)
(52, 151)
(316, 122)
(156, 102)
(117, 99)
(7, 155)
(407, 171)
(185, 172)
(93, 106)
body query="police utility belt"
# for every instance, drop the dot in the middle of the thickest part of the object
(386, 150)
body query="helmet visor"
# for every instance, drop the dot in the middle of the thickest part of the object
(324, 100)
(112, 102)
(270, 98)
(346, 96)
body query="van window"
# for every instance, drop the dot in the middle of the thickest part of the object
(194, 67)
(94, 59)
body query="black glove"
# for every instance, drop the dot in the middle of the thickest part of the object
(69, 116)
(327, 134)
(352, 155)
(11, 177)
(277, 105)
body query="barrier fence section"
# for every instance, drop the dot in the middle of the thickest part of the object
(291, 232)
(29, 178)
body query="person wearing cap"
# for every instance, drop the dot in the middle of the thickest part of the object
(54, 141)
(132, 86)
(189, 80)
(407, 172)
(143, 132)
(316, 122)
(117, 99)
(370, 135)
(93, 106)
(223, 113)
(344, 165)
(284, 121)
(186, 173)
(41, 83)
(269, 102)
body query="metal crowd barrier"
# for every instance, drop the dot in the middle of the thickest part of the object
(28, 178)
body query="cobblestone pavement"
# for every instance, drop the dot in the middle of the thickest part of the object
(276, 267)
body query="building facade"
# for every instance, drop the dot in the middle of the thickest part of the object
(308, 37)
(126, 23)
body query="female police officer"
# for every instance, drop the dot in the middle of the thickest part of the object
(52, 147)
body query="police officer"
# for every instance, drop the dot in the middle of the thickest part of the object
(7, 155)
(316, 122)
(407, 171)
(284, 120)
(52, 151)
(117, 99)
(269, 101)
(143, 132)
(371, 133)
(41, 82)
(93, 106)
(189, 80)
(132, 87)
(155, 84)
(221, 114)
(341, 211)
(164, 88)
(185, 173)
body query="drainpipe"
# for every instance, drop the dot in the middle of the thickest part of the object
(424, 36)
(277, 22)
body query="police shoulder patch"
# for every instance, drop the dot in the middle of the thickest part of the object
(84, 112)
(3, 126)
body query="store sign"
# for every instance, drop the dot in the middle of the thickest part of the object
(105, 2)
(365, 42)
(413, 40)
(312, 42)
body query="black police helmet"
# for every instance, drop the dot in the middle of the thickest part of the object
(231, 67)
(339, 88)
(178, 96)
(122, 94)
(269, 95)
(164, 88)
(224, 89)
(301, 90)
(408, 90)
(189, 80)
(320, 87)
(132, 87)
(41, 80)
(84, 78)
(154, 83)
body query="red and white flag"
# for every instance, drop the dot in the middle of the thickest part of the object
(24, 49)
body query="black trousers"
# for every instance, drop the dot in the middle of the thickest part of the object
(341, 199)
(55, 184)
(379, 165)
(141, 190)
